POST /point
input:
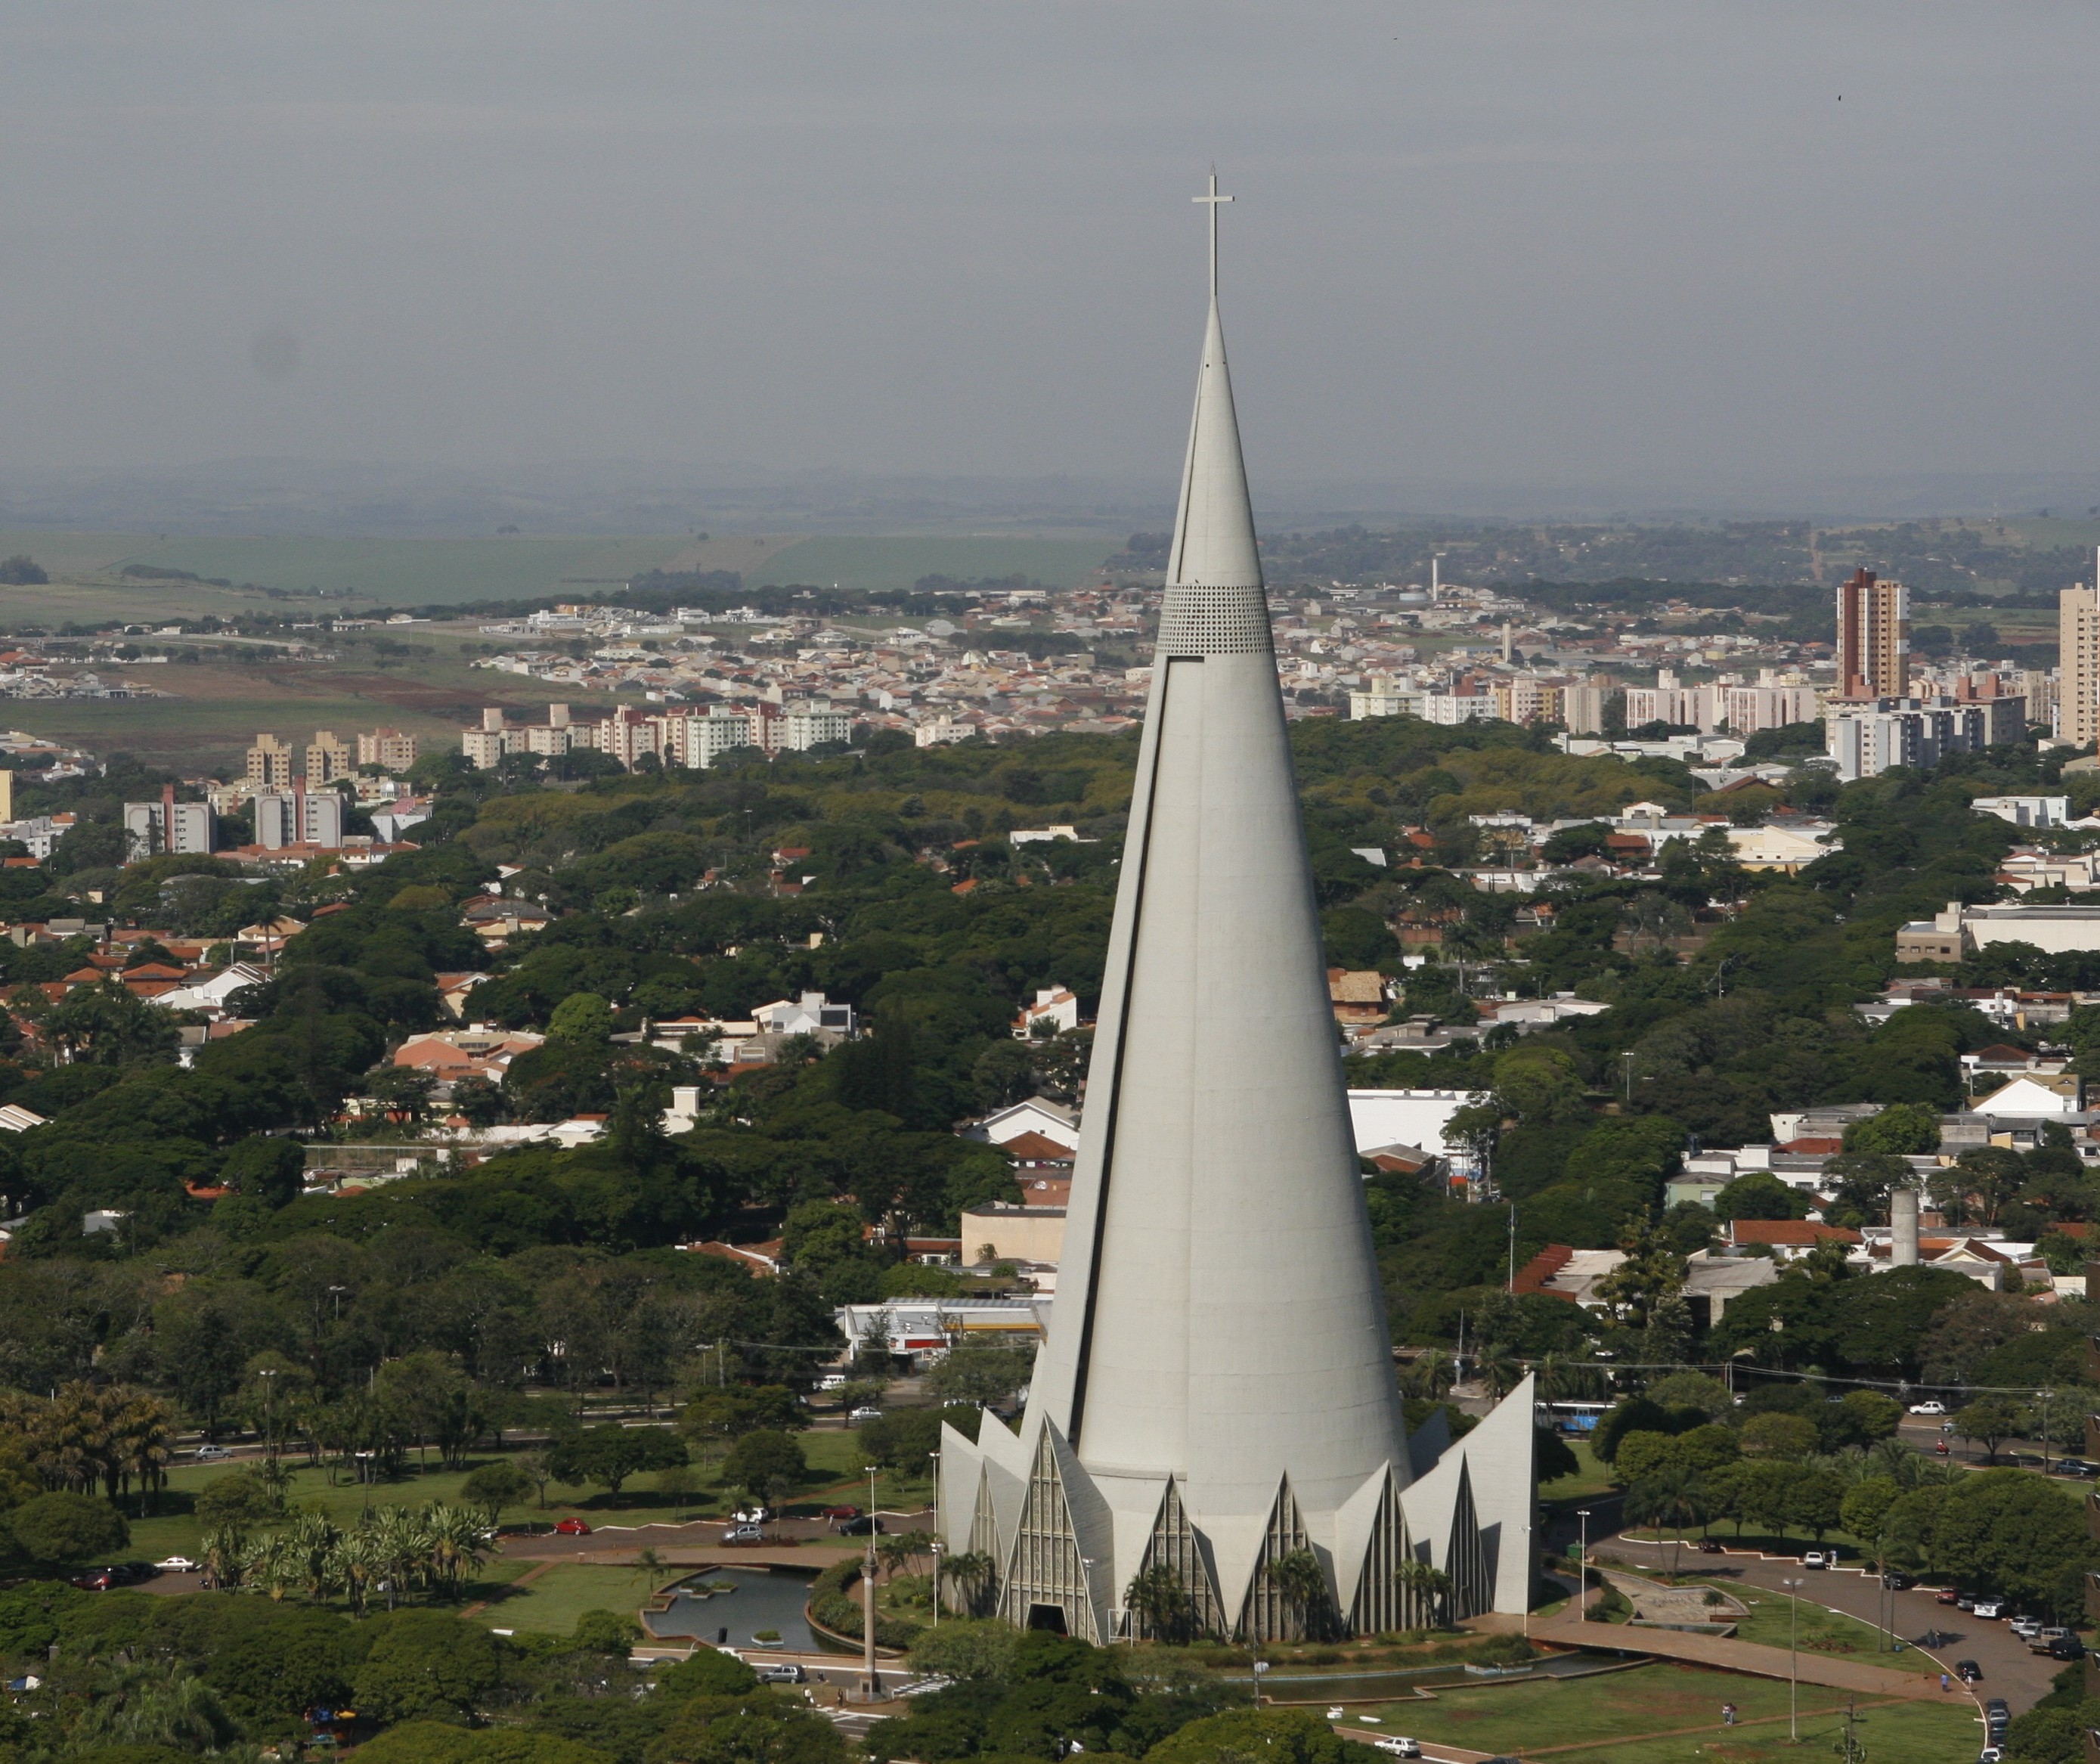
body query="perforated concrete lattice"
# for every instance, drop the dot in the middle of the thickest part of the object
(1214, 621)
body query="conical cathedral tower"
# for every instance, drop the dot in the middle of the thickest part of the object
(1217, 1390)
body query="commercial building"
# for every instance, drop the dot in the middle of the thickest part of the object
(1961, 931)
(1217, 1393)
(1873, 638)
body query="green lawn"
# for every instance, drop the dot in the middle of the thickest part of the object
(834, 1458)
(1618, 1709)
(1592, 1479)
(1821, 1631)
(553, 1602)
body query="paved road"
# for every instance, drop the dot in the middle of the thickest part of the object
(2009, 1670)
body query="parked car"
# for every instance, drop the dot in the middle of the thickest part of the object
(786, 1673)
(752, 1515)
(744, 1534)
(210, 1454)
(1397, 1745)
(1710, 1546)
(1990, 1610)
(1815, 1558)
(2077, 1466)
(1928, 1407)
(1967, 1671)
(1966, 1601)
(176, 1565)
(2039, 1638)
(2025, 1628)
(864, 1412)
(1896, 1580)
(573, 1528)
(866, 1525)
(2066, 1647)
(845, 1511)
(1946, 1595)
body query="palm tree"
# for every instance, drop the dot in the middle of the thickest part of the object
(310, 1545)
(1671, 1498)
(1431, 1376)
(973, 1573)
(221, 1555)
(401, 1549)
(1299, 1577)
(1425, 1589)
(1501, 1373)
(1161, 1604)
(648, 1564)
(453, 1536)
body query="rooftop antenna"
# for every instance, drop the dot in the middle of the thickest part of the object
(1213, 199)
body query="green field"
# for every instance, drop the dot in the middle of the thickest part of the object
(1639, 1717)
(833, 1457)
(553, 1601)
(417, 571)
(872, 563)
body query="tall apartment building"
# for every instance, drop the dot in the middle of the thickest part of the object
(270, 764)
(386, 748)
(153, 829)
(327, 758)
(1873, 638)
(1866, 739)
(2078, 673)
(297, 816)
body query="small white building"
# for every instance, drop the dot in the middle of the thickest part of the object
(1411, 1117)
(1056, 1010)
(1036, 1114)
(812, 1013)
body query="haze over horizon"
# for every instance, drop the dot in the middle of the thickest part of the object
(1641, 254)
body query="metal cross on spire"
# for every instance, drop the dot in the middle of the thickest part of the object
(1213, 199)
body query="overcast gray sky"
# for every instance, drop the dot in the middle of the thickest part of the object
(1553, 242)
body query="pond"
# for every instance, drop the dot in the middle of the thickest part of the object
(755, 1599)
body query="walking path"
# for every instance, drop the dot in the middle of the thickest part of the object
(1568, 1630)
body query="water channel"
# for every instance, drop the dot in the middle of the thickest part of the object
(746, 1601)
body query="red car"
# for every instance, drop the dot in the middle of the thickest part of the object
(1947, 1595)
(848, 1511)
(573, 1528)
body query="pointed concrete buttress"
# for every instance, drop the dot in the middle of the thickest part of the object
(1219, 1321)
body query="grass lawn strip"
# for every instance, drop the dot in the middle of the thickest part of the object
(552, 1600)
(1660, 1698)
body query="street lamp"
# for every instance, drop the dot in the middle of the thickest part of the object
(1582, 1568)
(872, 1679)
(936, 1457)
(1793, 1658)
(268, 1375)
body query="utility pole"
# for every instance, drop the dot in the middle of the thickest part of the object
(1512, 1251)
(871, 1679)
(1793, 1662)
(1582, 1568)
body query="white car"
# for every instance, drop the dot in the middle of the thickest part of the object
(176, 1565)
(1815, 1558)
(1398, 1745)
(2025, 1628)
(861, 1415)
(1989, 1609)
(1927, 1409)
(211, 1454)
